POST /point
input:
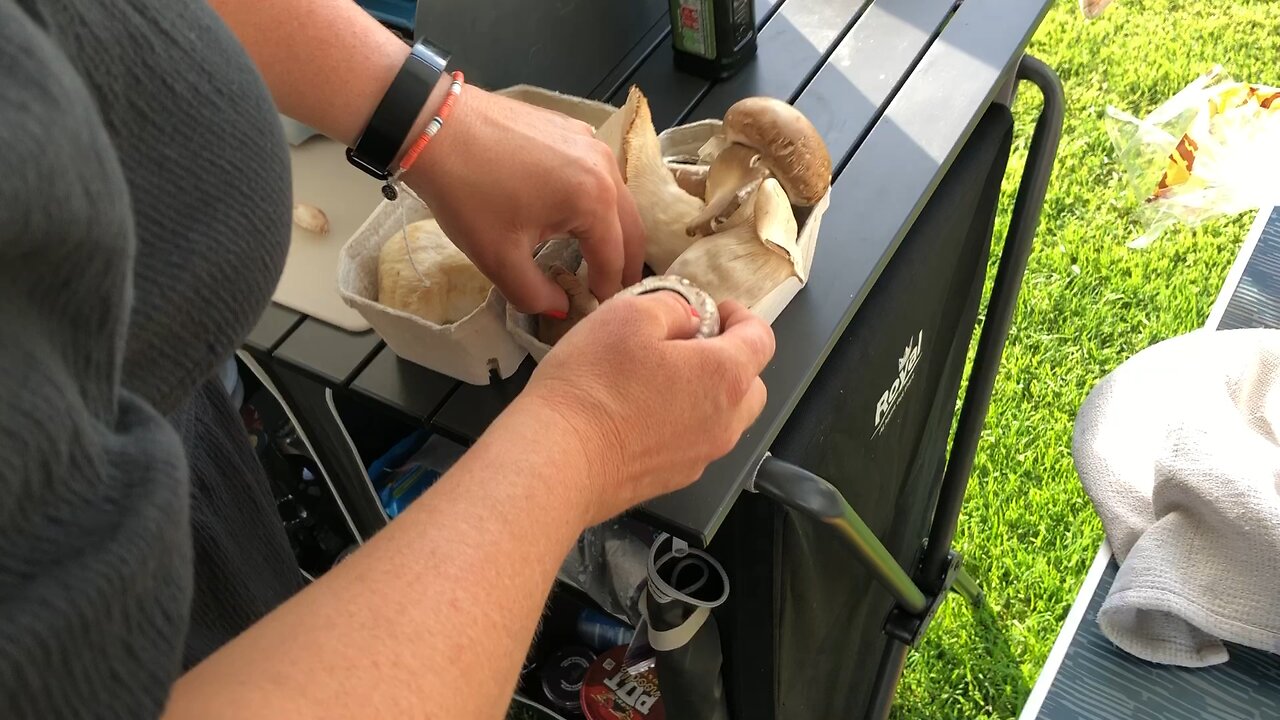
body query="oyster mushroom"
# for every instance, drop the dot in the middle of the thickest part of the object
(438, 283)
(581, 304)
(789, 148)
(755, 255)
(665, 209)
(732, 180)
(691, 177)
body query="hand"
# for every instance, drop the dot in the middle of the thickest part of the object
(650, 404)
(503, 176)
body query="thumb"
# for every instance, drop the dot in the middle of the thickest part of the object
(668, 315)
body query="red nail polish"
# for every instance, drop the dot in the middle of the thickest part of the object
(694, 313)
(557, 314)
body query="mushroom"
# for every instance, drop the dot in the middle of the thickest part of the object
(691, 177)
(755, 255)
(790, 149)
(665, 209)
(581, 304)
(732, 180)
(310, 218)
(437, 283)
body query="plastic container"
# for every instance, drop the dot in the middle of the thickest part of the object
(609, 692)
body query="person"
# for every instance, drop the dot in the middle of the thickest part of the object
(144, 219)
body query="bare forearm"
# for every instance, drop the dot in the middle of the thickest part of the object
(430, 619)
(326, 62)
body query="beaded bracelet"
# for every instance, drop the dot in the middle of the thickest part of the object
(455, 88)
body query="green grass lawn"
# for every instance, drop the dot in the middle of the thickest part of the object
(1088, 303)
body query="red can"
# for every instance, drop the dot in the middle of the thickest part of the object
(609, 692)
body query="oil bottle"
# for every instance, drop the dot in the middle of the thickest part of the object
(713, 39)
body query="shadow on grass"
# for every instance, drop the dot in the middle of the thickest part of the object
(953, 690)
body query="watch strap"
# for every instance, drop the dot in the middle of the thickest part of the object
(395, 115)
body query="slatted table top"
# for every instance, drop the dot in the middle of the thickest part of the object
(1087, 676)
(895, 86)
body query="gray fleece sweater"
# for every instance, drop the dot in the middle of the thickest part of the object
(144, 211)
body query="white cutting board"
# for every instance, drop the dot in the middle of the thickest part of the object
(323, 177)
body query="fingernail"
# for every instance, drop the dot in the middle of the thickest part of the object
(694, 313)
(557, 314)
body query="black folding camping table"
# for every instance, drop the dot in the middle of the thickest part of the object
(1087, 676)
(912, 97)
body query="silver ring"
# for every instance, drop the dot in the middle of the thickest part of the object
(699, 300)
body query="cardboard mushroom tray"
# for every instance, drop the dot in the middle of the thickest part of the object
(685, 141)
(678, 144)
(467, 349)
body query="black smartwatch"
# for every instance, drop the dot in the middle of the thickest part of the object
(392, 121)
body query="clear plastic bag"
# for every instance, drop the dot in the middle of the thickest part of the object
(1208, 151)
(610, 563)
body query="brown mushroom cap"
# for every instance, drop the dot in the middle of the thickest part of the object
(789, 143)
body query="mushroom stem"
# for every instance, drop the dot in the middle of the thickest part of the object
(716, 215)
(752, 258)
(691, 178)
(732, 180)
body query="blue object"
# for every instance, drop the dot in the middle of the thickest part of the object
(396, 13)
(382, 468)
(411, 467)
(406, 488)
(601, 632)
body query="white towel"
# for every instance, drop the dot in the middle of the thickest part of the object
(1179, 449)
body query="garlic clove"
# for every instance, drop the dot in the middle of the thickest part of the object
(310, 218)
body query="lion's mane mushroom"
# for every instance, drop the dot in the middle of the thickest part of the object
(665, 209)
(780, 142)
(438, 283)
(751, 258)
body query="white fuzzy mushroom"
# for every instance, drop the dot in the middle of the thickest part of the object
(438, 283)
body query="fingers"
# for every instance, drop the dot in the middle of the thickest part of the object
(752, 405)
(745, 336)
(664, 315)
(523, 283)
(633, 235)
(602, 248)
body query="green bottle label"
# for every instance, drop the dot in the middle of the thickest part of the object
(693, 27)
